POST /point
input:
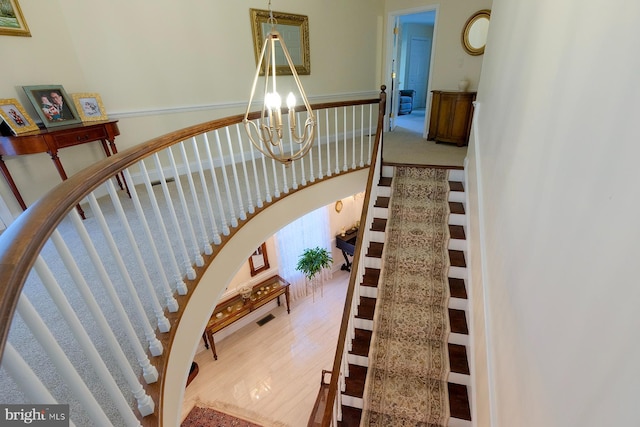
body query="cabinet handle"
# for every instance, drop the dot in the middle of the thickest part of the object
(82, 138)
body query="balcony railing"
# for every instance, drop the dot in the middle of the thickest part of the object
(89, 307)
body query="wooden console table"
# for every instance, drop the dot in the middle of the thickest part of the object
(235, 308)
(347, 244)
(51, 140)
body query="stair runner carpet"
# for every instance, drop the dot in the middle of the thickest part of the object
(408, 361)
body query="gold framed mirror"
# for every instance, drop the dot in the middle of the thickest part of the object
(294, 30)
(474, 33)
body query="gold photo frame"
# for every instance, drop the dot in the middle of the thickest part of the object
(294, 30)
(12, 22)
(16, 117)
(89, 106)
(53, 105)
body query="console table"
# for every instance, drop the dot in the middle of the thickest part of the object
(51, 140)
(235, 308)
(347, 244)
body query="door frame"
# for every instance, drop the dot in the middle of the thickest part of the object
(392, 16)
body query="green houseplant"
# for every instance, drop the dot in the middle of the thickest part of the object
(312, 261)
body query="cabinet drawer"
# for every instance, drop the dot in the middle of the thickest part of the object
(79, 136)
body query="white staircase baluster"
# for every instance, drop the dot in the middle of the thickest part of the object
(328, 131)
(83, 339)
(205, 240)
(170, 300)
(149, 372)
(189, 271)
(26, 379)
(216, 187)
(303, 180)
(250, 207)
(276, 188)
(344, 137)
(370, 133)
(285, 185)
(205, 191)
(353, 136)
(259, 201)
(361, 135)
(64, 367)
(177, 228)
(223, 167)
(337, 137)
(163, 322)
(155, 347)
(187, 222)
(145, 403)
(243, 214)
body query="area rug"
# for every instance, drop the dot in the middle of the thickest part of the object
(406, 379)
(222, 414)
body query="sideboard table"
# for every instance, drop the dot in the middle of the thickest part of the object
(236, 307)
(51, 141)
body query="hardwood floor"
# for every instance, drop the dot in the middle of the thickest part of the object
(272, 372)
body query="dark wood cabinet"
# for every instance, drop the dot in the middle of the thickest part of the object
(451, 114)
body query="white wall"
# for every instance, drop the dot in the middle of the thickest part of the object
(162, 65)
(555, 161)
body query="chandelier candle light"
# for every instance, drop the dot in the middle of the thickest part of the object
(267, 134)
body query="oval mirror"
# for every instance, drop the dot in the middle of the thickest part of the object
(474, 34)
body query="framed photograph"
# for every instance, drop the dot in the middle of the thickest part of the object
(294, 30)
(12, 22)
(53, 105)
(259, 260)
(15, 117)
(89, 106)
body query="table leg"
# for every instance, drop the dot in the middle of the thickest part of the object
(212, 343)
(12, 184)
(114, 150)
(206, 343)
(63, 175)
(286, 296)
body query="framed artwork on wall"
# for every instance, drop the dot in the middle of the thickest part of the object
(294, 31)
(89, 106)
(12, 22)
(259, 261)
(53, 105)
(15, 117)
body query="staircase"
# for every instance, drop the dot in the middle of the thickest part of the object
(459, 378)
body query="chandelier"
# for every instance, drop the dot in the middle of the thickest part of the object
(268, 133)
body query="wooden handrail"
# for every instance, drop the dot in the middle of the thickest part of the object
(342, 336)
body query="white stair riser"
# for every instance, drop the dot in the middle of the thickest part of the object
(456, 422)
(377, 236)
(456, 196)
(387, 171)
(456, 175)
(372, 262)
(354, 402)
(457, 219)
(358, 360)
(459, 339)
(381, 213)
(365, 324)
(384, 191)
(368, 291)
(458, 273)
(458, 245)
(456, 378)
(458, 304)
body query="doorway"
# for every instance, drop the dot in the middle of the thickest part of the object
(410, 62)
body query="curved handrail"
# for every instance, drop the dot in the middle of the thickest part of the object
(21, 243)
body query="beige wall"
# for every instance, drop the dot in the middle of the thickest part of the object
(555, 161)
(163, 65)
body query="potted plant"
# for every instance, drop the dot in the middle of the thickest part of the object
(312, 261)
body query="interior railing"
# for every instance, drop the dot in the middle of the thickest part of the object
(89, 307)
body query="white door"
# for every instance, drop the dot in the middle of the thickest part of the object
(418, 69)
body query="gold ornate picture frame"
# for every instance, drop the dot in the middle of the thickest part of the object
(294, 30)
(16, 117)
(89, 106)
(12, 22)
(53, 105)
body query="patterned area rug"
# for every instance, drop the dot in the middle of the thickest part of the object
(406, 381)
(207, 417)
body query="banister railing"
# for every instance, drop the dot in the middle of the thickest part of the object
(118, 281)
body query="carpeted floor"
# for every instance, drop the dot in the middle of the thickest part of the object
(406, 381)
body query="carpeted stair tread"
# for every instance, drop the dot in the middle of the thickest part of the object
(382, 202)
(375, 249)
(459, 402)
(456, 208)
(385, 181)
(456, 258)
(355, 381)
(350, 416)
(378, 224)
(366, 308)
(422, 359)
(457, 288)
(457, 232)
(371, 277)
(456, 186)
(458, 321)
(361, 342)
(458, 361)
(414, 323)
